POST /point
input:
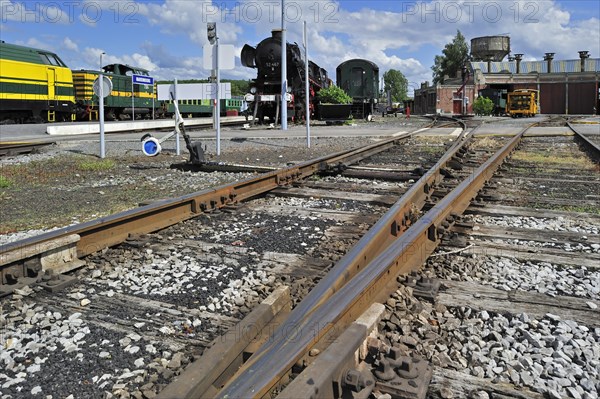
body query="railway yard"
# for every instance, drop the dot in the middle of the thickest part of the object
(427, 260)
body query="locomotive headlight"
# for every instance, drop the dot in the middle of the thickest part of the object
(288, 89)
(253, 90)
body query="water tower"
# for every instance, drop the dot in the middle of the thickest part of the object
(490, 48)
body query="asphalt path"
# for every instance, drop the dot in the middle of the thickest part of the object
(383, 127)
(37, 132)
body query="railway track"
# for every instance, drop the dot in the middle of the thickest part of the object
(239, 245)
(18, 148)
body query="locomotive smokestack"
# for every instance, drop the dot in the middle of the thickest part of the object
(518, 58)
(548, 57)
(276, 34)
(583, 55)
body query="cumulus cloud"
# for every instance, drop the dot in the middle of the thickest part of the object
(70, 44)
(190, 17)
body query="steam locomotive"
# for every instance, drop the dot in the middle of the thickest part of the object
(264, 99)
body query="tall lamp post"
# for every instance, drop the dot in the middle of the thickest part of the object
(101, 108)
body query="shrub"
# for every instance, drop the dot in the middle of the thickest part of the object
(483, 106)
(334, 95)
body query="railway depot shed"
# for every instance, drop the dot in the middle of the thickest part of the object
(565, 86)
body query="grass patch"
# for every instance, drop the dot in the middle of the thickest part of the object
(590, 209)
(594, 210)
(487, 143)
(5, 182)
(96, 165)
(551, 158)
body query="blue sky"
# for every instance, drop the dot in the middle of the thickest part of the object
(167, 36)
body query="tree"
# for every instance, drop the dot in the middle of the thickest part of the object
(483, 106)
(455, 56)
(396, 82)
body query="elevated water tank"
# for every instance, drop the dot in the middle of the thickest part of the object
(490, 48)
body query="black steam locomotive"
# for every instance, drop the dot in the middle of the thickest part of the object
(264, 99)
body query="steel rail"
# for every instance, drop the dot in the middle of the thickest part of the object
(592, 148)
(15, 148)
(308, 324)
(108, 231)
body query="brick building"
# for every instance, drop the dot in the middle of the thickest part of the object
(565, 86)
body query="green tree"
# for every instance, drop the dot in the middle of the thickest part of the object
(483, 106)
(334, 95)
(453, 58)
(396, 82)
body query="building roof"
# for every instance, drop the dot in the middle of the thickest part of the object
(591, 65)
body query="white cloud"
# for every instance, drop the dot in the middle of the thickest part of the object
(70, 44)
(190, 18)
(36, 43)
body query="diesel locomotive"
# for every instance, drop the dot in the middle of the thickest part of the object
(118, 104)
(35, 85)
(264, 99)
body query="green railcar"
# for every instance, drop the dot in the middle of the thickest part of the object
(360, 80)
(203, 108)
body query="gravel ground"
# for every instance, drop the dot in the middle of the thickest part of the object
(556, 357)
(209, 268)
(66, 185)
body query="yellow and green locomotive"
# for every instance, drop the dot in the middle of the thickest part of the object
(35, 85)
(126, 99)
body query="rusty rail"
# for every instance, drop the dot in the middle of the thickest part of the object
(592, 148)
(310, 325)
